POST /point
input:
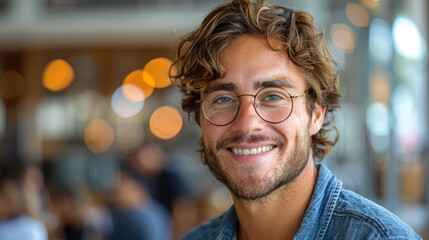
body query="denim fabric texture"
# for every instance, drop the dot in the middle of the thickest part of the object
(334, 213)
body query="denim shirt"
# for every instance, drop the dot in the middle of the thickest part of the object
(333, 213)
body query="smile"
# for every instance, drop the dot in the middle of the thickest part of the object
(251, 151)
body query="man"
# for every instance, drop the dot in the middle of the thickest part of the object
(134, 214)
(149, 165)
(261, 84)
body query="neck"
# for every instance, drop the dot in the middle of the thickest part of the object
(279, 215)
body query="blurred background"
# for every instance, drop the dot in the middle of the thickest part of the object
(94, 144)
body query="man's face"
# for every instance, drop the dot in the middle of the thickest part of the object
(284, 147)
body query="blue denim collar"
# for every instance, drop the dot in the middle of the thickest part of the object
(229, 225)
(322, 204)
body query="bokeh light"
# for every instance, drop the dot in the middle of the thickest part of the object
(58, 75)
(370, 3)
(380, 43)
(132, 92)
(406, 124)
(380, 87)
(357, 15)
(165, 122)
(12, 85)
(343, 37)
(99, 136)
(141, 89)
(378, 124)
(407, 39)
(123, 106)
(155, 72)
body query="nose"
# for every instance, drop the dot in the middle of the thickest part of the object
(247, 120)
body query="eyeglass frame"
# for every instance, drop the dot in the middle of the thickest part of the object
(254, 104)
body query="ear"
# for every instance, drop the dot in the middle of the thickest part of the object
(317, 118)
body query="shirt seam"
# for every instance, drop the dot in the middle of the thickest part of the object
(332, 202)
(365, 219)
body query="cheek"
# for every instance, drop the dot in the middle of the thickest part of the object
(285, 129)
(209, 132)
(302, 119)
(297, 123)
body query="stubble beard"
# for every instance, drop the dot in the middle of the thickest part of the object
(250, 186)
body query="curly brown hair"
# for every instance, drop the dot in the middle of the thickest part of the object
(197, 62)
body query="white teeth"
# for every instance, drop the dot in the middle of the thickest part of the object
(251, 151)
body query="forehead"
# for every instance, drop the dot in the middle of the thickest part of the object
(250, 63)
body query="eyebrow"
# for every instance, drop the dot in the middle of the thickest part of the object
(256, 85)
(273, 83)
(221, 86)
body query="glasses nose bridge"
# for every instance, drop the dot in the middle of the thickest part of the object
(253, 103)
(249, 95)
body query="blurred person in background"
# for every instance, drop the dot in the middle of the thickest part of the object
(150, 168)
(77, 217)
(262, 85)
(134, 215)
(15, 220)
(35, 192)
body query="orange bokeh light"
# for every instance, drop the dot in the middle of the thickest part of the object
(343, 37)
(58, 75)
(155, 73)
(142, 89)
(99, 135)
(381, 88)
(357, 14)
(165, 122)
(370, 3)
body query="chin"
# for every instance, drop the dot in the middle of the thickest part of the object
(256, 181)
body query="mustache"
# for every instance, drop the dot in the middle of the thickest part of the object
(239, 138)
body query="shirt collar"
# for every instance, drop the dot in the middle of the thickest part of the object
(229, 225)
(325, 196)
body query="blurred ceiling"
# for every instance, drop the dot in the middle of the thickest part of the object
(69, 23)
(33, 23)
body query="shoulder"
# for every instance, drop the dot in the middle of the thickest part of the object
(358, 216)
(30, 223)
(207, 230)
(23, 227)
(219, 226)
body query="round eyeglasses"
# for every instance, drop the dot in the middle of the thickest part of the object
(272, 104)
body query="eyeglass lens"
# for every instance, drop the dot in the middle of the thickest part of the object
(272, 104)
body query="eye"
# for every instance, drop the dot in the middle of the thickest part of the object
(223, 99)
(273, 98)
